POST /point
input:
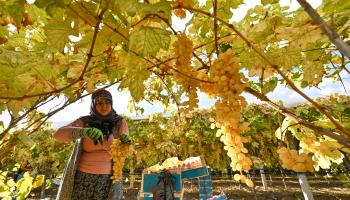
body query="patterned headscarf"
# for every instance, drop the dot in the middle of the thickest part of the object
(97, 120)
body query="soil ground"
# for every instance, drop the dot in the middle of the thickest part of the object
(322, 187)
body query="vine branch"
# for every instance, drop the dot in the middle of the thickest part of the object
(216, 27)
(287, 113)
(328, 30)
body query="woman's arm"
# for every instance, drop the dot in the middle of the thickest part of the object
(63, 133)
(124, 129)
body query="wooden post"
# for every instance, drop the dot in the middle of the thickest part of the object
(284, 182)
(42, 195)
(305, 188)
(132, 180)
(263, 177)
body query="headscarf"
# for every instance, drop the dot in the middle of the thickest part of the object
(107, 124)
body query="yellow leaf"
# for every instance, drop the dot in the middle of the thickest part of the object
(24, 186)
(39, 180)
(74, 70)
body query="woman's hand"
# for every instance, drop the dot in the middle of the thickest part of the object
(126, 139)
(94, 134)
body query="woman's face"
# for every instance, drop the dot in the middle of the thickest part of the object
(103, 107)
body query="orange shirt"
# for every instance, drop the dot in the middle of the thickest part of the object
(95, 159)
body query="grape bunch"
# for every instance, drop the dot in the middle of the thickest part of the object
(324, 151)
(243, 179)
(118, 153)
(184, 73)
(229, 83)
(294, 161)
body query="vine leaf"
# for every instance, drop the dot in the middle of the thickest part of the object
(162, 9)
(270, 85)
(105, 38)
(313, 72)
(135, 75)
(148, 41)
(265, 2)
(133, 7)
(130, 6)
(74, 70)
(57, 32)
(16, 10)
(3, 34)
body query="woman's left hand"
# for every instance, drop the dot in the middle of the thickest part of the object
(126, 139)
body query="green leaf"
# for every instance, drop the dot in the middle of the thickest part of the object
(230, 3)
(77, 10)
(304, 84)
(57, 32)
(149, 40)
(224, 47)
(265, 2)
(129, 6)
(16, 9)
(105, 38)
(162, 9)
(4, 32)
(26, 139)
(135, 76)
(36, 13)
(270, 85)
(313, 72)
(347, 111)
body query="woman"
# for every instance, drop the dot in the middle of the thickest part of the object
(89, 169)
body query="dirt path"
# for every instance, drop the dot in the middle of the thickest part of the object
(322, 189)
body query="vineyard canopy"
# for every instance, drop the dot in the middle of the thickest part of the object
(132, 43)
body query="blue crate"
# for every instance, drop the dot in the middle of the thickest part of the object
(205, 183)
(205, 178)
(151, 180)
(149, 196)
(194, 173)
(206, 191)
(205, 197)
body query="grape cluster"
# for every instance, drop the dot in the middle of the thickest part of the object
(226, 83)
(183, 47)
(118, 153)
(324, 151)
(226, 79)
(294, 161)
(243, 179)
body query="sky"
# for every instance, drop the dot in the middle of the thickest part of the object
(120, 104)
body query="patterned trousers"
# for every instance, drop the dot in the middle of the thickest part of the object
(91, 186)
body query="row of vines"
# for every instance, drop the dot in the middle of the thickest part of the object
(192, 134)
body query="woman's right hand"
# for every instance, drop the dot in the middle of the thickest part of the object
(94, 134)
